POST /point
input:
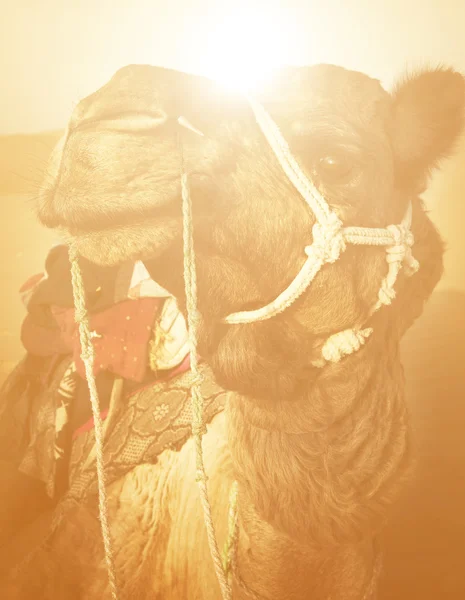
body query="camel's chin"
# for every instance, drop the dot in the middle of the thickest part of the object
(112, 246)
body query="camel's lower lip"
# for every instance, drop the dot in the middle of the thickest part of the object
(78, 222)
(80, 231)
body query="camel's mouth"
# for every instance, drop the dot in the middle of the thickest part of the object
(82, 222)
(62, 212)
(117, 224)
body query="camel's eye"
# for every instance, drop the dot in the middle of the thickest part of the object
(333, 168)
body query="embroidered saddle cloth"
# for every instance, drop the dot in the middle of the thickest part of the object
(142, 372)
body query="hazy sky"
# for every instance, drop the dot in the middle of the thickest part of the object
(53, 52)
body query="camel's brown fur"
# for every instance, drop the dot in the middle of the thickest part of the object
(319, 454)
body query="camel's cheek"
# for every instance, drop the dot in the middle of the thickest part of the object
(342, 294)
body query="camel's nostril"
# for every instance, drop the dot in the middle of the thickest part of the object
(48, 215)
(47, 220)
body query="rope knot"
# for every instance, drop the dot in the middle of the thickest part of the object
(200, 476)
(328, 240)
(199, 429)
(197, 380)
(87, 353)
(401, 250)
(80, 314)
(386, 293)
(344, 343)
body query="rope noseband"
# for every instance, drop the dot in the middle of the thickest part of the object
(330, 240)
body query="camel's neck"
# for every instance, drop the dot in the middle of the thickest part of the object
(269, 565)
(321, 470)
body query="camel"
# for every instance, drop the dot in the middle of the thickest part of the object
(319, 452)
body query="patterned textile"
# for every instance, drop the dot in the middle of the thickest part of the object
(142, 374)
(148, 422)
(16, 396)
(124, 326)
(46, 445)
(145, 423)
(124, 331)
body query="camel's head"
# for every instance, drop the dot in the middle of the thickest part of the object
(114, 186)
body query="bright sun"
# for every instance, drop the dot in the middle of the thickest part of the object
(244, 48)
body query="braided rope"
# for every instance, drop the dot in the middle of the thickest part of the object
(296, 176)
(343, 343)
(198, 425)
(88, 357)
(329, 242)
(298, 286)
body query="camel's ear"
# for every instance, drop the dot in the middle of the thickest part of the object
(427, 120)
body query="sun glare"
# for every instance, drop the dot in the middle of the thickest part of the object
(243, 49)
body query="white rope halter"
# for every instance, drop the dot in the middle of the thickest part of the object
(329, 241)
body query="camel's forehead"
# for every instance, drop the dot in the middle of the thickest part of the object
(327, 80)
(319, 80)
(148, 88)
(319, 90)
(326, 90)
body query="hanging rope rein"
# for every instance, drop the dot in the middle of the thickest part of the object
(88, 357)
(198, 425)
(222, 569)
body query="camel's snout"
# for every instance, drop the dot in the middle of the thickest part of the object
(143, 91)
